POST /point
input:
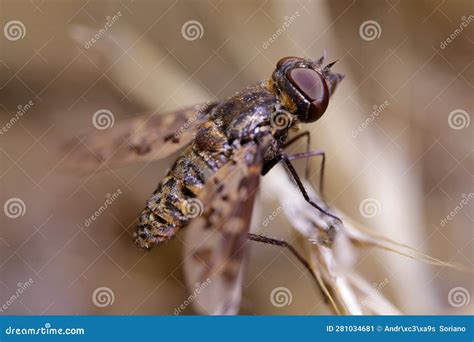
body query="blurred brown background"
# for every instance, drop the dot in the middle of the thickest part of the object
(413, 158)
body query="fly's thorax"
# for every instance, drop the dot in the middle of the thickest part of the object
(246, 115)
(252, 114)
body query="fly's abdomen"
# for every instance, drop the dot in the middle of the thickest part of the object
(174, 202)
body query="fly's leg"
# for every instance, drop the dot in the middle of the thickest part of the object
(268, 165)
(308, 154)
(271, 163)
(287, 161)
(307, 135)
(284, 244)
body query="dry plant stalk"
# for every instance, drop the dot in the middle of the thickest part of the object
(330, 246)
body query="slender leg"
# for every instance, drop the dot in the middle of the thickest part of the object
(306, 135)
(270, 164)
(294, 174)
(308, 154)
(282, 243)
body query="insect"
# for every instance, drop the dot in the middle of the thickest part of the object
(227, 146)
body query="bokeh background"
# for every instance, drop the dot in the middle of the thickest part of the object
(397, 134)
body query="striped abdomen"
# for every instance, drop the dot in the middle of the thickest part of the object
(174, 202)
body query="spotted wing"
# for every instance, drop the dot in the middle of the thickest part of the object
(141, 138)
(215, 240)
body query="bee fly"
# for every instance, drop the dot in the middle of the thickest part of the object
(227, 146)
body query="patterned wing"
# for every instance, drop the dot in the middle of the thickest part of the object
(141, 138)
(215, 241)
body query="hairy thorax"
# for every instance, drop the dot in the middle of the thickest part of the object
(244, 117)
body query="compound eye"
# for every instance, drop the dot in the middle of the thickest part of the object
(287, 59)
(313, 87)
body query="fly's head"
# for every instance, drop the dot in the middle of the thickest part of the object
(304, 86)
